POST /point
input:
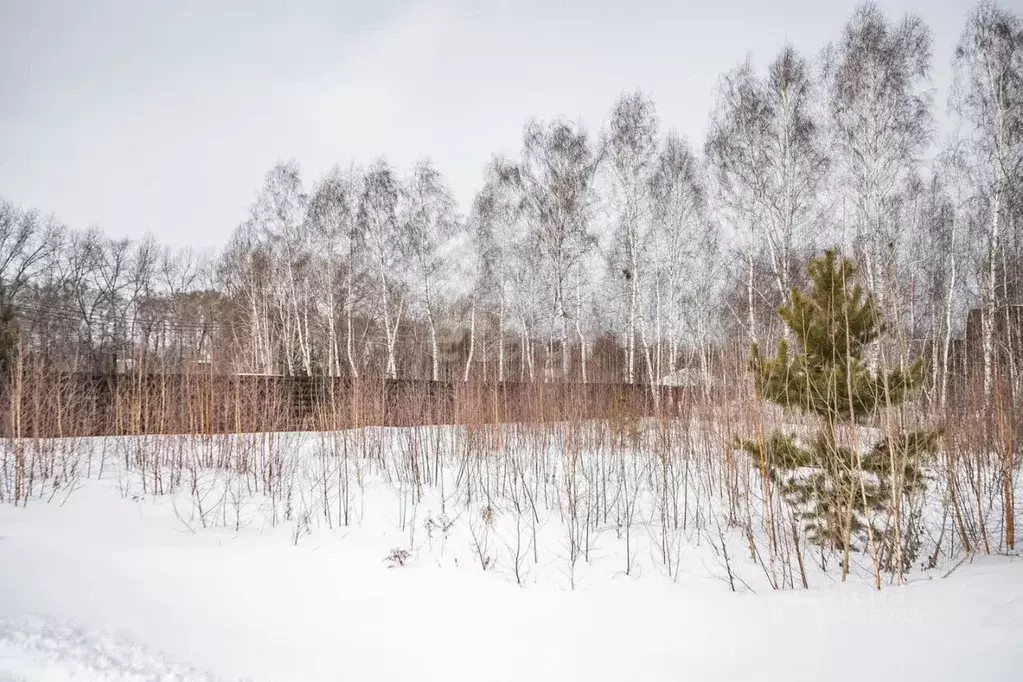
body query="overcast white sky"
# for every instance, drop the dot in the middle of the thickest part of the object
(163, 117)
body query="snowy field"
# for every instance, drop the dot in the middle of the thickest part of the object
(408, 555)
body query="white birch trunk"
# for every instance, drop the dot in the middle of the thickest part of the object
(472, 341)
(579, 328)
(435, 350)
(749, 297)
(947, 344)
(988, 314)
(657, 327)
(500, 339)
(350, 332)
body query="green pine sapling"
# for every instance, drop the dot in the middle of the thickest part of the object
(837, 491)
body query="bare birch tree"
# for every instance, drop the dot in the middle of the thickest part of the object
(631, 153)
(764, 147)
(280, 216)
(989, 97)
(553, 186)
(879, 108)
(683, 238)
(387, 250)
(430, 223)
(498, 234)
(333, 215)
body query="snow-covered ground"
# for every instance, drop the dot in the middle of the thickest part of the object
(112, 582)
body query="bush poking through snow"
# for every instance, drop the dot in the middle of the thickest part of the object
(399, 556)
(480, 531)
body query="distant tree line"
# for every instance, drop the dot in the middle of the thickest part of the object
(620, 254)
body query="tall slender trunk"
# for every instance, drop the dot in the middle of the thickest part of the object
(528, 351)
(579, 328)
(563, 339)
(391, 339)
(333, 353)
(749, 299)
(657, 327)
(654, 390)
(301, 321)
(947, 344)
(988, 314)
(1011, 329)
(434, 348)
(522, 353)
(999, 186)
(390, 326)
(631, 349)
(779, 272)
(500, 339)
(472, 341)
(349, 332)
(307, 344)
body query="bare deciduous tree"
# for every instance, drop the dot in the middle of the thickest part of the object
(879, 109)
(387, 249)
(989, 96)
(430, 224)
(553, 185)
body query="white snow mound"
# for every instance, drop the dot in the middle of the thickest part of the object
(36, 649)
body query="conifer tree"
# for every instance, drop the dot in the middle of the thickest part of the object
(837, 490)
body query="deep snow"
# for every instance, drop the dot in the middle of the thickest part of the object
(111, 584)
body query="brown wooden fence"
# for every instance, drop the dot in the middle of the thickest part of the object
(52, 404)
